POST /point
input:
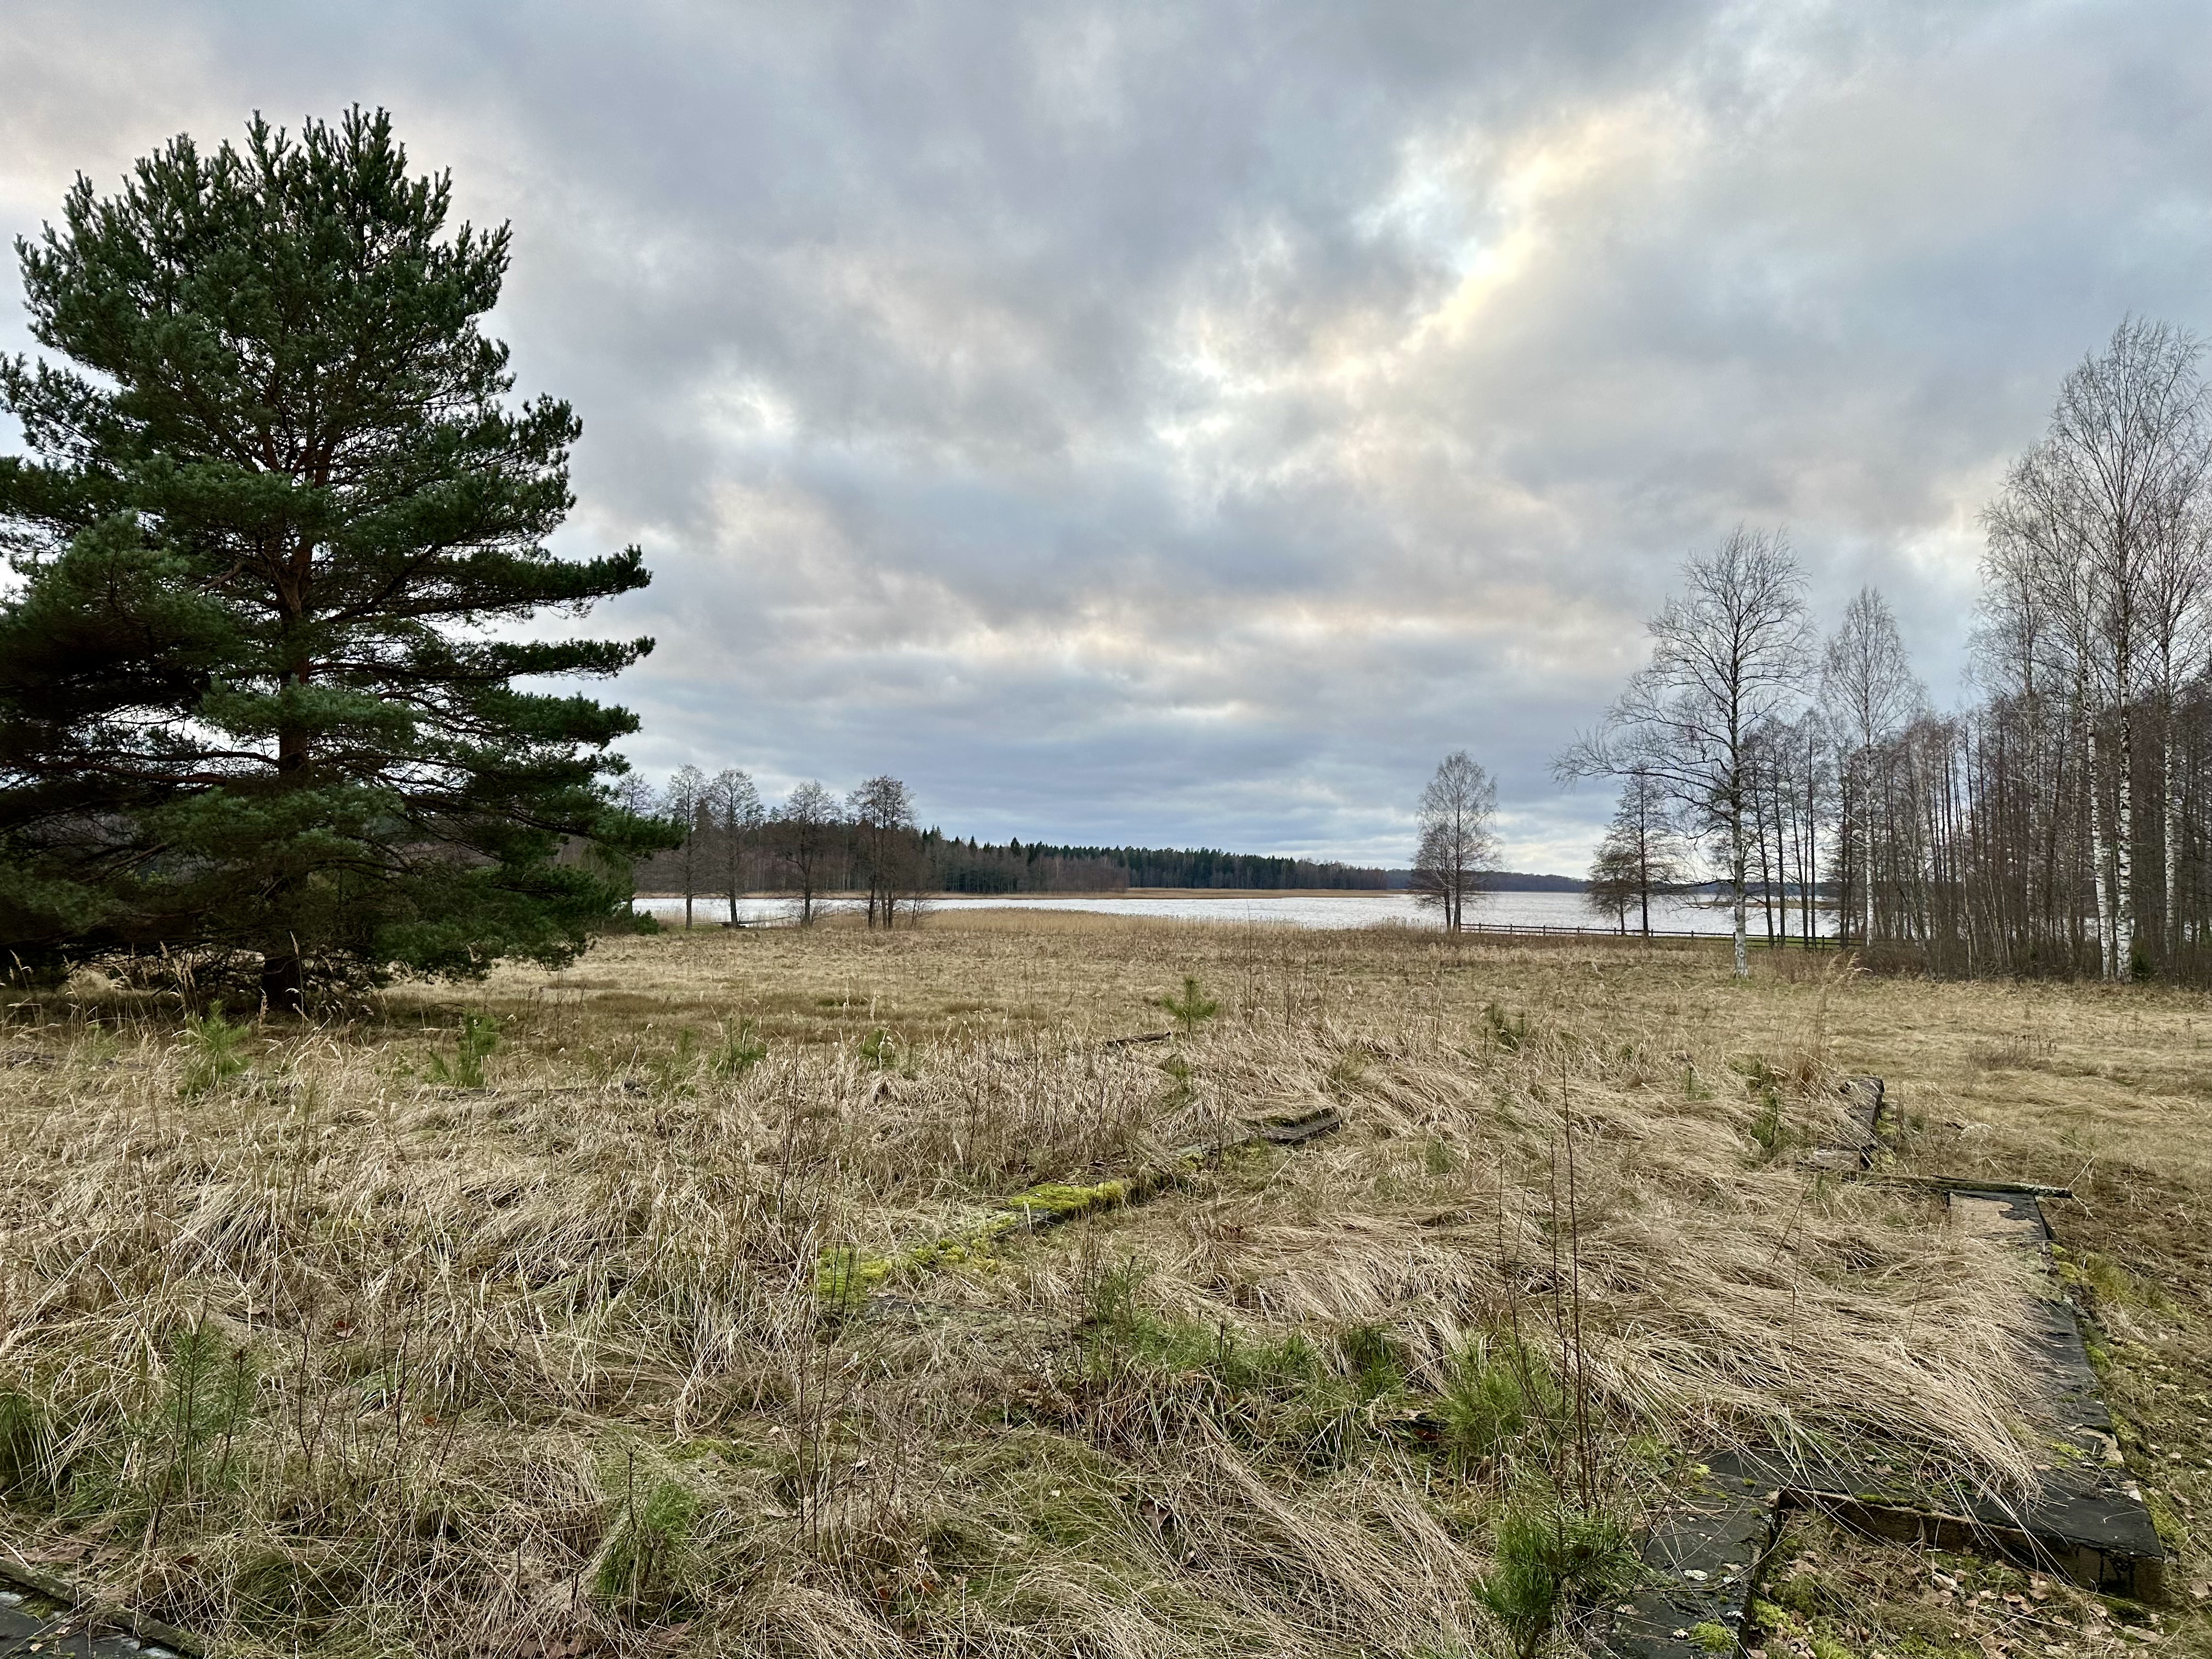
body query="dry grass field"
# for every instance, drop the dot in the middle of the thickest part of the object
(668, 1304)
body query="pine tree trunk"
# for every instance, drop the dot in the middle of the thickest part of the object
(284, 985)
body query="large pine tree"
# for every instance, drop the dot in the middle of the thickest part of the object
(278, 535)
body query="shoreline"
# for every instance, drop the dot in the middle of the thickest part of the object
(1244, 894)
(1115, 893)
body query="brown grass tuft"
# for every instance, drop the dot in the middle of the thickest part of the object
(328, 1354)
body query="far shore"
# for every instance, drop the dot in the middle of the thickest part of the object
(701, 897)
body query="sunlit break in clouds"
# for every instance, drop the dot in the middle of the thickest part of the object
(1181, 425)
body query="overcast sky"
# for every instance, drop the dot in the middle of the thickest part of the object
(1183, 424)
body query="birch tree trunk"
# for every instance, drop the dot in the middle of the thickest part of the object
(2169, 825)
(1866, 846)
(1738, 856)
(2105, 918)
(2123, 854)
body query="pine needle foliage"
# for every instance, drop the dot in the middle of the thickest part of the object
(278, 516)
(216, 1051)
(1550, 1556)
(1193, 1007)
(477, 1041)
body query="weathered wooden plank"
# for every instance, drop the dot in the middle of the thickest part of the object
(1703, 1561)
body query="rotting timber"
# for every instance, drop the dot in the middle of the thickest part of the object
(846, 1278)
(2085, 1519)
(42, 1613)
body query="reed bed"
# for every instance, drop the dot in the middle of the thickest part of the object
(495, 1322)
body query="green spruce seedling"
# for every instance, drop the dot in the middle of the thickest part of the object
(212, 1387)
(1182, 1087)
(674, 1073)
(1494, 1388)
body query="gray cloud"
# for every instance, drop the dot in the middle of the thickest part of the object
(1182, 424)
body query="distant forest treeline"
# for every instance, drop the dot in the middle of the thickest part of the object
(972, 866)
(954, 863)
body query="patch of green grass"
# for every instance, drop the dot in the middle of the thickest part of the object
(674, 1070)
(1493, 1388)
(1350, 1067)
(737, 1052)
(1769, 1134)
(1285, 1395)
(1372, 1359)
(27, 1444)
(645, 1566)
(1509, 1033)
(292, 1591)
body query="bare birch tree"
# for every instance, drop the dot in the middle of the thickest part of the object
(882, 813)
(1870, 696)
(2098, 521)
(1638, 854)
(2179, 579)
(806, 830)
(1456, 844)
(1611, 888)
(633, 795)
(1727, 654)
(684, 805)
(734, 805)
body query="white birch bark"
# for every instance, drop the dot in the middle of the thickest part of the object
(2104, 919)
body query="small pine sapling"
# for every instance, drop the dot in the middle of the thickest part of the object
(478, 1039)
(1193, 1008)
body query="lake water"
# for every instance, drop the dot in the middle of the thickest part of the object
(1672, 914)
